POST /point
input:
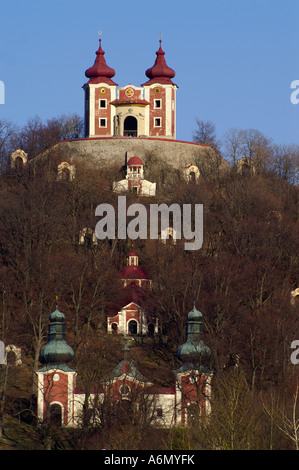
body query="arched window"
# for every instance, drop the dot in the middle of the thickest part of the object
(169, 234)
(192, 177)
(87, 237)
(130, 126)
(19, 164)
(192, 174)
(12, 355)
(18, 159)
(65, 171)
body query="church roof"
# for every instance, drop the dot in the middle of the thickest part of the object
(56, 351)
(138, 101)
(133, 272)
(127, 367)
(134, 161)
(194, 352)
(160, 72)
(195, 315)
(100, 72)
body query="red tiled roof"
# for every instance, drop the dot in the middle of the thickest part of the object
(134, 161)
(133, 272)
(138, 101)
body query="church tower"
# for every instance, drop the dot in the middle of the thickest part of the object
(56, 380)
(193, 378)
(100, 91)
(160, 92)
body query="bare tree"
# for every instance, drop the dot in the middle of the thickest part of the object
(206, 134)
(257, 148)
(286, 417)
(7, 132)
(286, 162)
(232, 145)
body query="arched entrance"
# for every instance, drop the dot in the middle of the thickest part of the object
(151, 329)
(11, 358)
(130, 126)
(132, 327)
(55, 415)
(124, 412)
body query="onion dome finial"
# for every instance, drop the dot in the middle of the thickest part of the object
(100, 71)
(160, 72)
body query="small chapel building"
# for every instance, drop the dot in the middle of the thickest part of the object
(134, 181)
(130, 317)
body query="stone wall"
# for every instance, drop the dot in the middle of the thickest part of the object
(173, 154)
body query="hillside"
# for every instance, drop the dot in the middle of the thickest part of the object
(241, 279)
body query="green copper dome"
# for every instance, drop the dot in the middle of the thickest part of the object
(194, 351)
(195, 315)
(56, 351)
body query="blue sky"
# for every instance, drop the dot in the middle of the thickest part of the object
(234, 59)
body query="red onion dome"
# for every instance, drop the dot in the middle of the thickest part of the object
(160, 72)
(133, 272)
(100, 72)
(134, 161)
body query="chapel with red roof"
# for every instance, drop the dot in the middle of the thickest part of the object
(148, 110)
(129, 317)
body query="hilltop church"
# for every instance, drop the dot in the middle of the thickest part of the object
(125, 122)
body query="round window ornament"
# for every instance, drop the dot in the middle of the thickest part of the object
(56, 377)
(124, 389)
(102, 90)
(129, 92)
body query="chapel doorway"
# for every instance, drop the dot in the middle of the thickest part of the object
(55, 415)
(130, 126)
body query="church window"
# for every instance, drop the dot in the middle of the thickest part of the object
(103, 122)
(159, 412)
(157, 122)
(124, 389)
(103, 103)
(157, 104)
